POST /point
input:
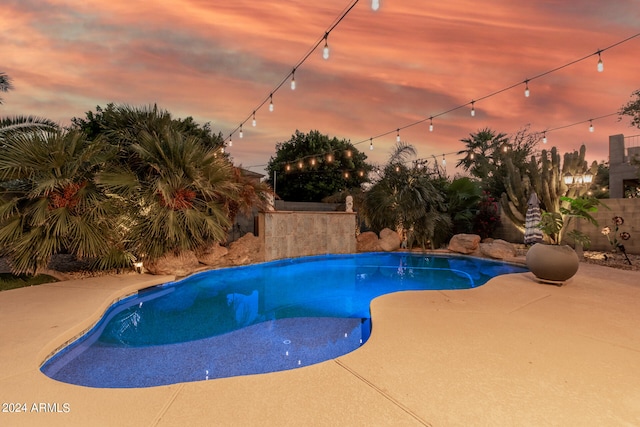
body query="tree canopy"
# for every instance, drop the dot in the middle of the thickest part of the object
(632, 109)
(310, 167)
(486, 152)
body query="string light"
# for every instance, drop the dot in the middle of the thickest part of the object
(591, 129)
(253, 121)
(348, 153)
(398, 135)
(600, 66)
(271, 102)
(241, 133)
(230, 144)
(513, 86)
(325, 50)
(526, 89)
(430, 124)
(420, 162)
(293, 79)
(375, 4)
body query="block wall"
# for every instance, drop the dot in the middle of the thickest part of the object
(288, 234)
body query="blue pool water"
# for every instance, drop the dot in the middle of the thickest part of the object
(254, 319)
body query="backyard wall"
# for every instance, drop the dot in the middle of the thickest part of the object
(287, 234)
(629, 209)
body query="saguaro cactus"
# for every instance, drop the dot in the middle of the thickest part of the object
(545, 175)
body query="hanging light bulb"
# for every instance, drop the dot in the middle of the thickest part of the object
(444, 161)
(271, 102)
(472, 155)
(370, 143)
(329, 158)
(288, 167)
(241, 133)
(398, 136)
(325, 50)
(591, 129)
(230, 144)
(313, 161)
(600, 64)
(473, 110)
(300, 164)
(346, 175)
(348, 153)
(293, 79)
(253, 121)
(375, 4)
(430, 124)
(526, 89)
(544, 137)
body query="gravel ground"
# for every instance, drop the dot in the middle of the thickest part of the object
(613, 260)
(72, 269)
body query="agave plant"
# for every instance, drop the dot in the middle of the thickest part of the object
(50, 203)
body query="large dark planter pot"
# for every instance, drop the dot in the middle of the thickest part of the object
(552, 263)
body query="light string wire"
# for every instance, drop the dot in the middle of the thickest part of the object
(472, 102)
(435, 156)
(298, 64)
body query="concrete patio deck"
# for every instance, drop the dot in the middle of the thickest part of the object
(513, 352)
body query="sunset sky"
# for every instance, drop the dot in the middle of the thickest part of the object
(217, 61)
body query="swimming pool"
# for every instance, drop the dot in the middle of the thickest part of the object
(254, 319)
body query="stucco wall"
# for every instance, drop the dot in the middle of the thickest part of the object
(288, 234)
(628, 209)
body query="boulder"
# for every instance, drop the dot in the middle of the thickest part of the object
(177, 265)
(464, 243)
(498, 249)
(246, 250)
(213, 255)
(389, 240)
(367, 242)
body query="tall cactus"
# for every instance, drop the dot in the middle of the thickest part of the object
(545, 175)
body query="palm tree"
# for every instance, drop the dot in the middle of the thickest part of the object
(51, 203)
(408, 199)
(5, 84)
(17, 124)
(179, 194)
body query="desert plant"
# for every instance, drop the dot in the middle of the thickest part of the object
(544, 175)
(555, 224)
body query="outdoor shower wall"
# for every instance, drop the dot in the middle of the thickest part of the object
(288, 234)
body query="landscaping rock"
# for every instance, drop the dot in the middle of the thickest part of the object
(389, 240)
(246, 250)
(213, 255)
(178, 265)
(367, 242)
(498, 249)
(464, 243)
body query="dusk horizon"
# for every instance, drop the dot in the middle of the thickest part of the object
(387, 70)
